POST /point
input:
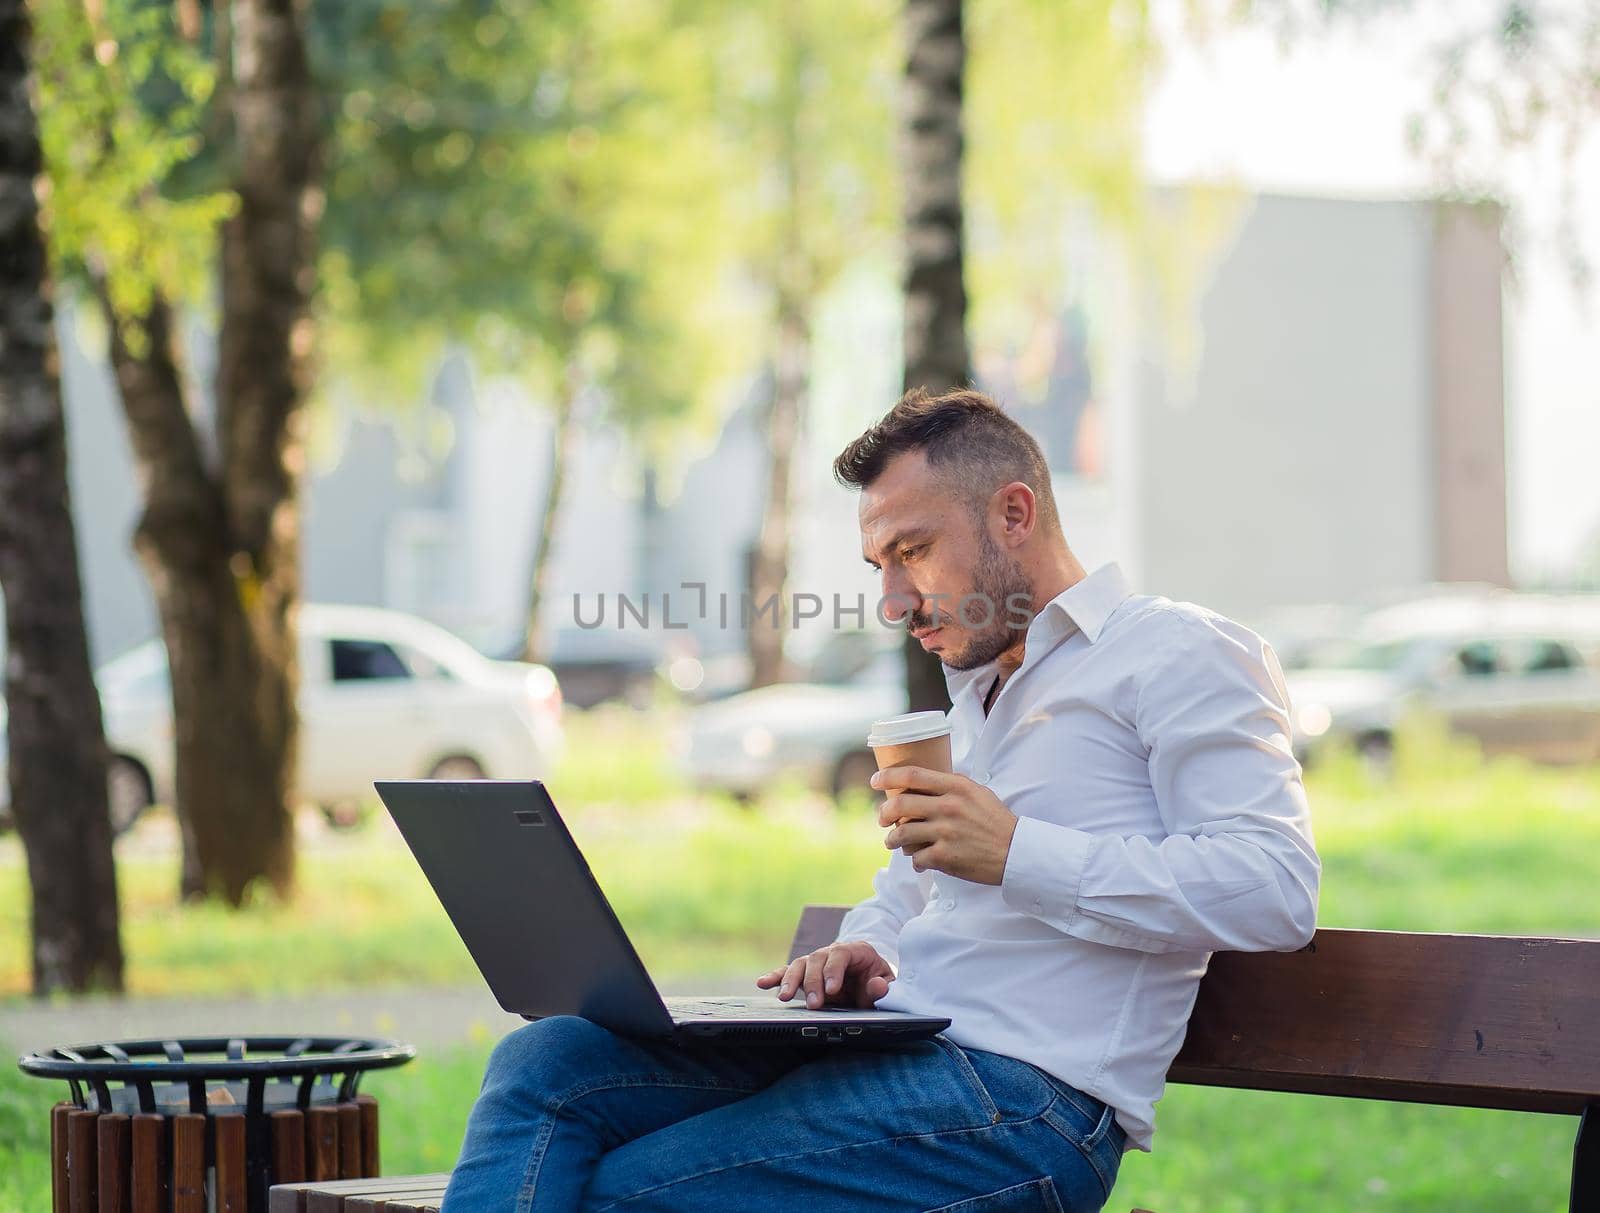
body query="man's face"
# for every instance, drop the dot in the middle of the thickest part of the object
(942, 571)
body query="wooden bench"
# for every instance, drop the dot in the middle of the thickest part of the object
(1474, 1020)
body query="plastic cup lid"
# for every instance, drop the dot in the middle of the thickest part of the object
(914, 726)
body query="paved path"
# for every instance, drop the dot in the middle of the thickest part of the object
(432, 1019)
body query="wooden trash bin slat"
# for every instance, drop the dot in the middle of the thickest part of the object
(322, 1143)
(81, 1148)
(369, 1134)
(229, 1153)
(288, 1147)
(189, 1164)
(60, 1194)
(349, 1118)
(111, 1162)
(148, 1167)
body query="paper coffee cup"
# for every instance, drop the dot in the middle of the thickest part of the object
(917, 739)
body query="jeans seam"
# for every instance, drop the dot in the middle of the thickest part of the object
(851, 1145)
(536, 1153)
(964, 1064)
(1043, 1186)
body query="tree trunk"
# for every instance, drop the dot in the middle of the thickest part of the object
(57, 763)
(770, 573)
(229, 784)
(264, 373)
(222, 550)
(936, 354)
(563, 449)
(794, 287)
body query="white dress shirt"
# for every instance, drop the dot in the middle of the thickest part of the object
(1144, 746)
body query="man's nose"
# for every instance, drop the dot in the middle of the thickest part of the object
(900, 597)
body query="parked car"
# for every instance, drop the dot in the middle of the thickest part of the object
(382, 695)
(600, 664)
(816, 730)
(1519, 673)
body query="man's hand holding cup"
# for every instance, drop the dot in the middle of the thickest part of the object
(945, 823)
(942, 821)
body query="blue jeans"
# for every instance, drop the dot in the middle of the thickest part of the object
(572, 1116)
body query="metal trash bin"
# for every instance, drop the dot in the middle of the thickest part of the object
(209, 1123)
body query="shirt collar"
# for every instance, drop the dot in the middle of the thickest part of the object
(1088, 603)
(1083, 606)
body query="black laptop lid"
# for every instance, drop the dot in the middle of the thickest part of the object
(521, 897)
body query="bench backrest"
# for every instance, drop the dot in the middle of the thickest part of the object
(1479, 1020)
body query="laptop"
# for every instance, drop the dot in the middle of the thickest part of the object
(523, 900)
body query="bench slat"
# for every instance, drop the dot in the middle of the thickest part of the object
(296, 1198)
(1476, 1020)
(429, 1198)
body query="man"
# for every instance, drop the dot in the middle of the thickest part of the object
(1124, 802)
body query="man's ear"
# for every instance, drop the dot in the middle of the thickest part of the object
(1018, 512)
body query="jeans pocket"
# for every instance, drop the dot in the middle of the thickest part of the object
(1035, 1196)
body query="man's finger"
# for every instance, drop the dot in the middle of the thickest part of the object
(792, 976)
(813, 981)
(913, 779)
(909, 836)
(873, 989)
(911, 806)
(834, 969)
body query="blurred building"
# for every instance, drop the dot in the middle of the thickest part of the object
(1342, 427)
(1306, 404)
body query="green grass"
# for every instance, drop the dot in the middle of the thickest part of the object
(1449, 844)
(716, 894)
(25, 1105)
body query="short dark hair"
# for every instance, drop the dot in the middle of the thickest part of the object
(966, 435)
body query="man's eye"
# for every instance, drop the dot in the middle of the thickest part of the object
(910, 553)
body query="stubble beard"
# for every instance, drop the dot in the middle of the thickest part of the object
(996, 580)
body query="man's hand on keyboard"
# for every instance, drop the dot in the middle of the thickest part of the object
(849, 974)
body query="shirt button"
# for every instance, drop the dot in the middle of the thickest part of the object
(947, 904)
(1038, 906)
(980, 777)
(907, 975)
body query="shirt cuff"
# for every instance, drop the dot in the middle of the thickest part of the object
(1044, 870)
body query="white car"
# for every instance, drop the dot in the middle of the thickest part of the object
(1520, 673)
(383, 695)
(815, 730)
